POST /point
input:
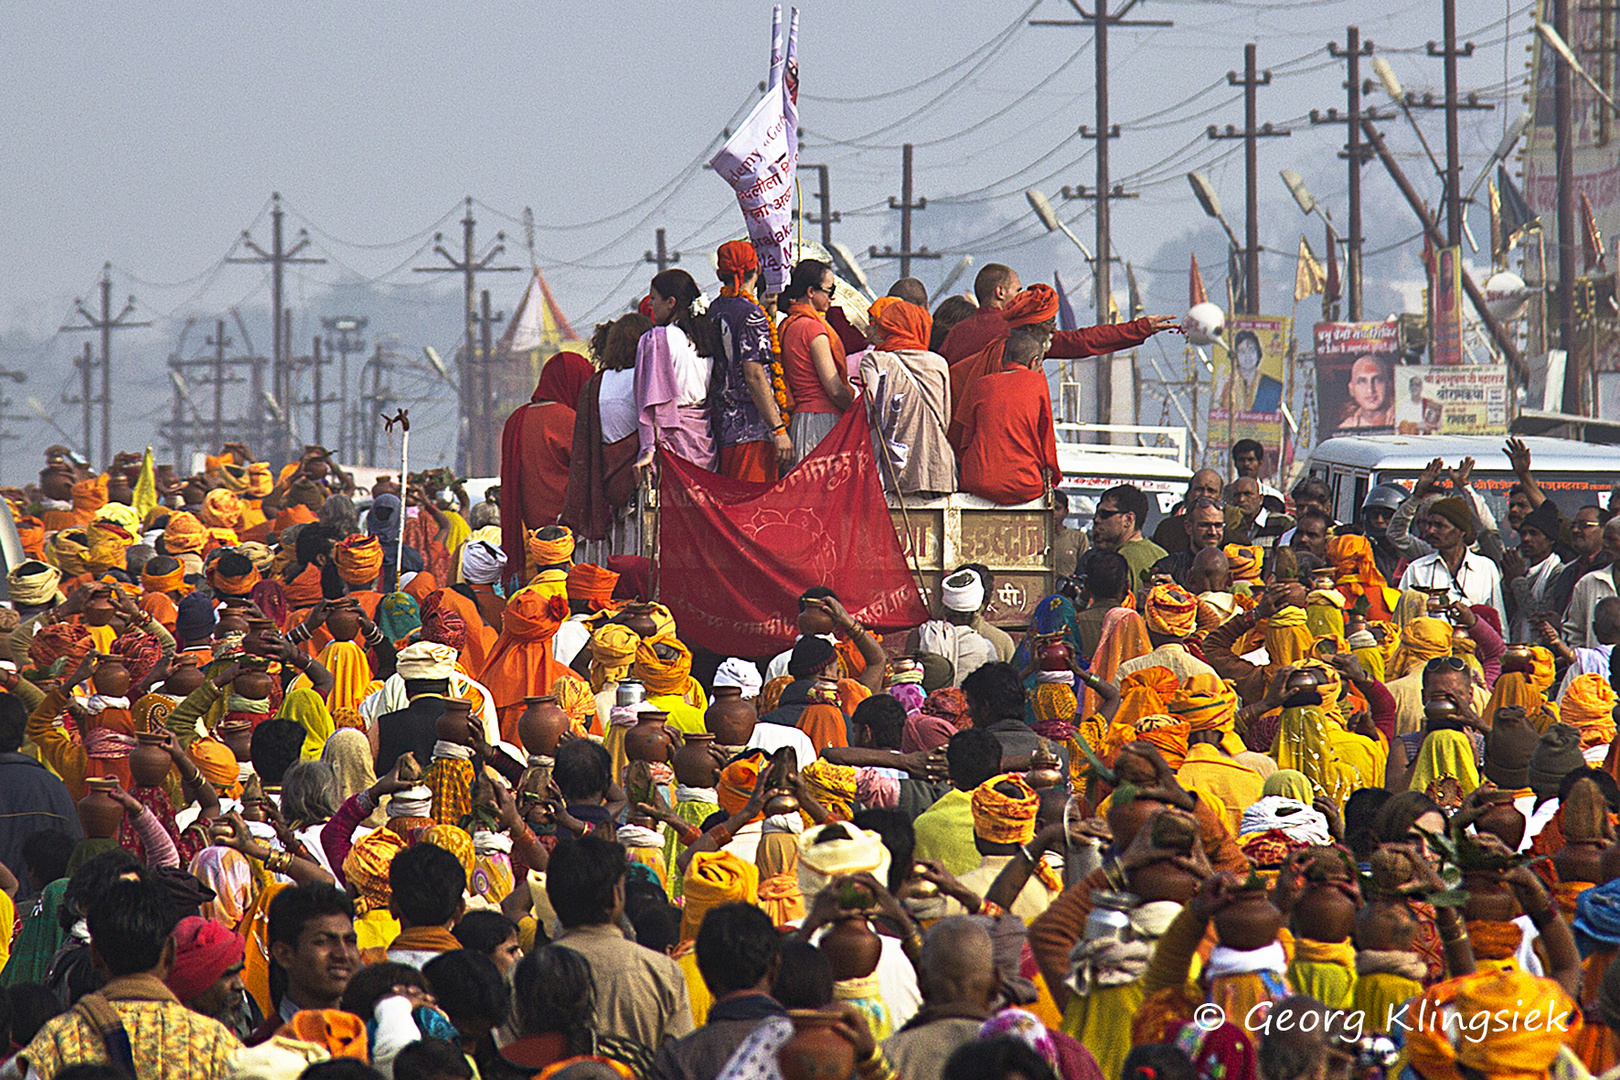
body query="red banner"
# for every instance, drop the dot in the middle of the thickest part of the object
(734, 555)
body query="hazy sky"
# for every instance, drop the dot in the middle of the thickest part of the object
(151, 135)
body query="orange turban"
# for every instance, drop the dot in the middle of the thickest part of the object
(549, 552)
(1588, 704)
(1171, 611)
(184, 534)
(737, 780)
(174, 581)
(221, 509)
(662, 676)
(31, 532)
(259, 481)
(366, 867)
(90, 494)
(1036, 304)
(592, 583)
(833, 786)
(1146, 692)
(305, 589)
(421, 585)
(714, 878)
(1503, 1023)
(734, 261)
(240, 585)
(1206, 703)
(575, 698)
(1005, 819)
(359, 559)
(904, 324)
(1245, 561)
(1167, 733)
(216, 762)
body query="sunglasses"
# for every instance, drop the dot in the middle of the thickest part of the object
(1444, 663)
(1103, 515)
(820, 289)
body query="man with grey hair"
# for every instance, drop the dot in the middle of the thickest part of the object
(960, 988)
(1592, 588)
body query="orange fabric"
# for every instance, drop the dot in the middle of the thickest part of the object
(296, 514)
(1124, 638)
(359, 559)
(736, 782)
(1146, 692)
(1522, 1051)
(824, 724)
(481, 637)
(904, 325)
(90, 495)
(1355, 574)
(549, 552)
(1168, 734)
(231, 586)
(420, 585)
(221, 509)
(31, 531)
(164, 583)
(521, 664)
(1036, 304)
(1588, 704)
(1003, 436)
(754, 461)
(799, 331)
(305, 589)
(160, 607)
(1171, 610)
(593, 584)
(184, 534)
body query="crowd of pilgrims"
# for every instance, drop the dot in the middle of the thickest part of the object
(300, 780)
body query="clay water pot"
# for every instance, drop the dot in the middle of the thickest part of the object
(453, 726)
(1045, 768)
(1302, 679)
(649, 740)
(1385, 926)
(254, 642)
(1489, 898)
(343, 620)
(1162, 881)
(1580, 860)
(184, 677)
(1517, 657)
(99, 610)
(1324, 911)
(99, 812)
(149, 763)
(238, 735)
(638, 617)
(1503, 820)
(253, 682)
(542, 724)
(851, 948)
(1354, 624)
(1441, 711)
(816, 1051)
(1249, 922)
(730, 717)
(1055, 654)
(111, 677)
(815, 620)
(694, 761)
(229, 623)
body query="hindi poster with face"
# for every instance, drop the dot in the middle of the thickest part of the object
(1355, 377)
(1249, 388)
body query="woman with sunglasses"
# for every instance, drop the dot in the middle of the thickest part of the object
(813, 360)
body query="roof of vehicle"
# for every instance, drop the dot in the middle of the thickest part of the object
(1123, 462)
(1413, 452)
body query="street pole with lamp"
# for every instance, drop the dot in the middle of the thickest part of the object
(1048, 217)
(1205, 192)
(1308, 205)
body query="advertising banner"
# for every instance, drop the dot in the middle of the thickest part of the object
(1465, 399)
(1249, 387)
(1355, 387)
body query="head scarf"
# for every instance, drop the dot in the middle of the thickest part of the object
(68, 551)
(106, 541)
(259, 481)
(521, 664)
(714, 878)
(69, 642)
(563, 377)
(1290, 784)
(613, 650)
(556, 552)
(1005, 819)
(229, 874)
(1467, 1021)
(223, 584)
(1245, 562)
(398, 618)
(904, 325)
(1445, 755)
(33, 583)
(221, 509)
(833, 786)
(846, 849)
(1171, 611)
(204, 949)
(1168, 734)
(1036, 304)
(661, 677)
(382, 521)
(365, 868)
(359, 559)
(736, 781)
(1423, 640)
(1146, 692)
(482, 562)
(735, 260)
(592, 584)
(1208, 703)
(1588, 705)
(174, 581)
(184, 534)
(442, 623)
(90, 494)
(743, 674)
(455, 840)
(949, 703)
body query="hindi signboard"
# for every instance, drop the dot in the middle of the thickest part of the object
(1248, 401)
(1355, 387)
(1460, 399)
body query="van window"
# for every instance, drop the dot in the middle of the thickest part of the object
(1363, 485)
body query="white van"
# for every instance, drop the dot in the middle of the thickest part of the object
(1089, 469)
(1573, 474)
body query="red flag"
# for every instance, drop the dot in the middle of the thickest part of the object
(1195, 285)
(734, 555)
(1334, 290)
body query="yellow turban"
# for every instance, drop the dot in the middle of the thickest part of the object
(223, 584)
(123, 515)
(1588, 704)
(33, 583)
(221, 509)
(184, 534)
(1503, 1023)
(1542, 672)
(107, 541)
(833, 786)
(68, 551)
(1208, 704)
(662, 676)
(1245, 561)
(173, 581)
(556, 552)
(575, 698)
(1005, 819)
(359, 559)
(455, 840)
(1424, 639)
(613, 650)
(1168, 734)
(259, 481)
(366, 867)
(1171, 611)
(714, 878)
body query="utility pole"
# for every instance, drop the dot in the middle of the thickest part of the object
(6, 403)
(278, 257)
(1451, 174)
(1253, 131)
(318, 361)
(484, 463)
(106, 324)
(828, 215)
(1604, 49)
(1354, 152)
(1564, 151)
(905, 206)
(375, 401)
(87, 396)
(661, 256)
(469, 266)
(347, 328)
(219, 341)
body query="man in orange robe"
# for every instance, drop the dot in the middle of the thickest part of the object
(536, 446)
(521, 664)
(1003, 431)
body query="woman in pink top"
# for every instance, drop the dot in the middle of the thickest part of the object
(813, 359)
(673, 363)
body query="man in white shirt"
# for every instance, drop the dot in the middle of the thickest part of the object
(1532, 577)
(1592, 589)
(812, 619)
(1463, 575)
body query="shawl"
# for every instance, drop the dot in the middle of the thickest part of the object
(601, 476)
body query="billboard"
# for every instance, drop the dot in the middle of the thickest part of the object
(1249, 388)
(1355, 384)
(1466, 399)
(1446, 295)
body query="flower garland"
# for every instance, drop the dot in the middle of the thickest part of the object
(779, 387)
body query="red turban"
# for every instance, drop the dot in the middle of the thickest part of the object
(904, 324)
(592, 583)
(735, 260)
(204, 950)
(1036, 304)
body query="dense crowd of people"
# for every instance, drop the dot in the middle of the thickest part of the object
(301, 780)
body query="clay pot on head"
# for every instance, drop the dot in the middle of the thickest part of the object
(1489, 898)
(99, 812)
(730, 717)
(649, 740)
(252, 682)
(99, 610)
(542, 724)
(184, 676)
(254, 642)
(238, 735)
(1125, 821)
(149, 763)
(851, 948)
(1503, 820)
(229, 623)
(695, 765)
(1324, 911)
(638, 617)
(343, 620)
(1250, 921)
(1580, 860)
(1162, 881)
(111, 677)
(816, 1051)
(454, 725)
(1386, 926)
(1055, 654)
(1517, 657)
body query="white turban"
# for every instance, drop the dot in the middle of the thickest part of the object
(858, 850)
(426, 660)
(963, 591)
(482, 562)
(412, 802)
(743, 674)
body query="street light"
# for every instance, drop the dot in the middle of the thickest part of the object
(955, 275)
(1392, 87)
(1211, 203)
(1307, 202)
(849, 269)
(1043, 210)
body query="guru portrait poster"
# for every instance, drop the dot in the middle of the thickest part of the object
(1249, 387)
(1355, 377)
